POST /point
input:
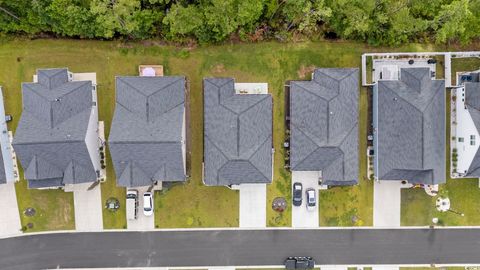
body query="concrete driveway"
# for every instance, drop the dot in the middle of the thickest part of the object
(386, 203)
(301, 217)
(9, 218)
(142, 223)
(253, 205)
(88, 207)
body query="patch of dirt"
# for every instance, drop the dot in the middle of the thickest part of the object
(220, 68)
(304, 71)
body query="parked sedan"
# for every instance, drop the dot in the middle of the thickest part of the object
(147, 204)
(297, 194)
(311, 199)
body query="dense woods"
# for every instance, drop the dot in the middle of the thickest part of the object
(378, 22)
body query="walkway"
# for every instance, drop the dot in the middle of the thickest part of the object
(386, 204)
(240, 248)
(9, 215)
(253, 205)
(88, 207)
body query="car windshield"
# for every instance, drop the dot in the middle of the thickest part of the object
(148, 209)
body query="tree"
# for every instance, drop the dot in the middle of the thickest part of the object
(452, 22)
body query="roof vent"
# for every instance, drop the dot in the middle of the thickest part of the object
(395, 99)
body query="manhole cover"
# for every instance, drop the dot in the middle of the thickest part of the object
(279, 204)
(30, 212)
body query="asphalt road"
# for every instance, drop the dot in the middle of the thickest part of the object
(240, 248)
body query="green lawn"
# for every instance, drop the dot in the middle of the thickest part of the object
(191, 204)
(54, 208)
(117, 219)
(351, 206)
(418, 208)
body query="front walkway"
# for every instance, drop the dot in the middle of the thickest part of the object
(386, 203)
(301, 217)
(9, 217)
(253, 205)
(142, 223)
(88, 207)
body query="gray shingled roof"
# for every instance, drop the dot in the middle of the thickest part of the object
(237, 135)
(50, 137)
(324, 125)
(3, 176)
(411, 128)
(146, 135)
(472, 101)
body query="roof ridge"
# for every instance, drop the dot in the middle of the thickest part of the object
(310, 92)
(174, 107)
(214, 145)
(209, 80)
(248, 108)
(253, 154)
(306, 135)
(131, 86)
(400, 97)
(163, 88)
(75, 88)
(340, 79)
(432, 98)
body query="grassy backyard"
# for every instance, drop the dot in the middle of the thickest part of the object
(190, 204)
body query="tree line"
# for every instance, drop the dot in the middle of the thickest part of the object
(378, 22)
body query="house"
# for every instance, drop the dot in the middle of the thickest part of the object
(147, 138)
(465, 126)
(324, 126)
(409, 127)
(237, 133)
(57, 139)
(8, 166)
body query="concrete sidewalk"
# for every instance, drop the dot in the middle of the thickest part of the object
(88, 207)
(253, 205)
(10, 218)
(386, 203)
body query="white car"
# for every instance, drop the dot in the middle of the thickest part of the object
(311, 200)
(147, 204)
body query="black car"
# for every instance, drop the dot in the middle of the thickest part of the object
(297, 193)
(299, 263)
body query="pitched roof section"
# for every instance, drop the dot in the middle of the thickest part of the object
(324, 125)
(411, 128)
(52, 130)
(472, 101)
(237, 135)
(146, 137)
